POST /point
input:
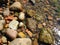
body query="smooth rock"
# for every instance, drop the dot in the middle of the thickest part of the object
(29, 33)
(21, 16)
(16, 5)
(21, 41)
(22, 35)
(11, 33)
(4, 39)
(13, 24)
(35, 42)
(21, 24)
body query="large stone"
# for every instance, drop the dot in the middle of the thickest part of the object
(21, 41)
(31, 23)
(46, 36)
(11, 33)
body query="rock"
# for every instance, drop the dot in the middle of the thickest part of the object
(14, 5)
(21, 16)
(21, 41)
(33, 1)
(4, 39)
(50, 17)
(35, 42)
(44, 24)
(31, 23)
(21, 24)
(22, 35)
(29, 33)
(13, 24)
(40, 25)
(31, 13)
(6, 12)
(11, 33)
(46, 36)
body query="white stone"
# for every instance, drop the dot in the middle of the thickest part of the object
(13, 24)
(21, 24)
(21, 16)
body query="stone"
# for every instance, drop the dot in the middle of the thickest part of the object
(13, 24)
(31, 13)
(40, 25)
(31, 24)
(35, 42)
(50, 17)
(22, 35)
(6, 12)
(21, 16)
(44, 24)
(21, 41)
(46, 36)
(11, 33)
(4, 39)
(29, 33)
(14, 5)
(21, 24)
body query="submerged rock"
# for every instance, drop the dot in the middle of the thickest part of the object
(46, 36)
(31, 23)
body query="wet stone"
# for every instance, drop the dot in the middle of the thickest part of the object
(31, 23)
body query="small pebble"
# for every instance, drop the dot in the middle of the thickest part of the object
(29, 33)
(4, 39)
(21, 16)
(22, 35)
(21, 24)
